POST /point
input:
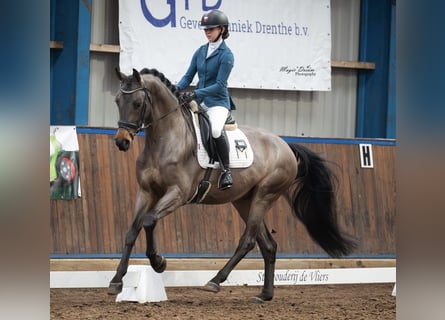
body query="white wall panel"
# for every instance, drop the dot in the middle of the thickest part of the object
(103, 81)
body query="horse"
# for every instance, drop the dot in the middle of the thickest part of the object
(168, 175)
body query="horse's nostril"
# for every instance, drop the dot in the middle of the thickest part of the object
(122, 144)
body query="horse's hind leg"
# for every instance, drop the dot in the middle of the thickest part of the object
(246, 243)
(255, 230)
(268, 248)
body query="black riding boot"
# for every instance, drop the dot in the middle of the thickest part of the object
(222, 148)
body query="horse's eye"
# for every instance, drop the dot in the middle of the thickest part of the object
(137, 105)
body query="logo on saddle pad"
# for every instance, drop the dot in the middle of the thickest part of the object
(241, 154)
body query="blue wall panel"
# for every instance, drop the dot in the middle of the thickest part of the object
(83, 63)
(373, 84)
(63, 62)
(70, 24)
(391, 116)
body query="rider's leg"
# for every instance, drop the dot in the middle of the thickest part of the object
(218, 116)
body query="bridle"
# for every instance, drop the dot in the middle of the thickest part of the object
(140, 125)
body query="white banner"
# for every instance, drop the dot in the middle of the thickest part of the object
(280, 44)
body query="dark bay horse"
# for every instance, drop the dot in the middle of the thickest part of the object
(168, 174)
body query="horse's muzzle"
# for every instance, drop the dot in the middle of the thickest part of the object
(123, 140)
(123, 145)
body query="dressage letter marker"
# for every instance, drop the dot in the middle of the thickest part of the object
(366, 159)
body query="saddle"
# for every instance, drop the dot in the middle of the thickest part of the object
(241, 154)
(203, 121)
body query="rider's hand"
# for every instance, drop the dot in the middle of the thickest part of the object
(174, 88)
(187, 96)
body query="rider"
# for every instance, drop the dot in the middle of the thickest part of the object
(213, 62)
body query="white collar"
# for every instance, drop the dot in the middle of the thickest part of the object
(215, 45)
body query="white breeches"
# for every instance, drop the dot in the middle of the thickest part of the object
(218, 117)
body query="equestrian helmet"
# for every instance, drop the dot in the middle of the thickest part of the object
(215, 18)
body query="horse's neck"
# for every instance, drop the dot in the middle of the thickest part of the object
(169, 140)
(163, 100)
(169, 135)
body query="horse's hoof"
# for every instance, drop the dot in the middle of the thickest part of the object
(256, 300)
(259, 299)
(115, 288)
(161, 267)
(212, 287)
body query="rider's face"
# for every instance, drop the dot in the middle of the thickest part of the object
(212, 33)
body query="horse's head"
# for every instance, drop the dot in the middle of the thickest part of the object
(133, 102)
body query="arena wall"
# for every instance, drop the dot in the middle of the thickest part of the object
(95, 225)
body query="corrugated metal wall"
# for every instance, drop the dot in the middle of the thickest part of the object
(289, 113)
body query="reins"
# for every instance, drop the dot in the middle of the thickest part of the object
(141, 125)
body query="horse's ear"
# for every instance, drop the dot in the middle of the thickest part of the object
(120, 75)
(137, 76)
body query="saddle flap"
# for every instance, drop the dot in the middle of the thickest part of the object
(241, 153)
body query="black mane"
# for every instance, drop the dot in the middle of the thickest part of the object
(174, 89)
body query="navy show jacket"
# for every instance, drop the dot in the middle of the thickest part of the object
(213, 73)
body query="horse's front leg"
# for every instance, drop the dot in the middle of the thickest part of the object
(172, 200)
(143, 203)
(158, 263)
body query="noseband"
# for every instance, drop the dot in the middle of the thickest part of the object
(140, 125)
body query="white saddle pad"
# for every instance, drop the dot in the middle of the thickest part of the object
(241, 154)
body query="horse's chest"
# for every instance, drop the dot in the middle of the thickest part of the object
(148, 177)
(154, 179)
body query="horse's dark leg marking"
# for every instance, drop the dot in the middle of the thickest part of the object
(166, 205)
(246, 243)
(116, 284)
(158, 263)
(243, 207)
(143, 201)
(252, 212)
(268, 248)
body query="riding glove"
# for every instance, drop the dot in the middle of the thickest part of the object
(187, 96)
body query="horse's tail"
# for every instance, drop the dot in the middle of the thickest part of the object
(313, 202)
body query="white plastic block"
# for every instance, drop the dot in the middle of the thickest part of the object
(143, 285)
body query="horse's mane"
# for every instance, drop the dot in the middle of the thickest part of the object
(174, 89)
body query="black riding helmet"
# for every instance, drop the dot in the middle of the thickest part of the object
(216, 18)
